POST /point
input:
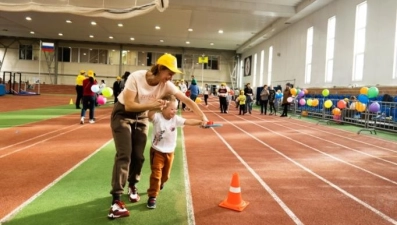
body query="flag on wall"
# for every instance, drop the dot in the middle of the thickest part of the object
(203, 59)
(47, 47)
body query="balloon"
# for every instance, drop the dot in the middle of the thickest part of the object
(198, 100)
(360, 106)
(95, 88)
(315, 102)
(328, 104)
(290, 99)
(101, 100)
(373, 92)
(341, 104)
(107, 92)
(325, 92)
(336, 111)
(363, 99)
(302, 101)
(293, 91)
(309, 102)
(364, 91)
(374, 107)
(306, 91)
(301, 94)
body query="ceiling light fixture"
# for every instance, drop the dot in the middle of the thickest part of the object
(211, 43)
(220, 31)
(161, 40)
(110, 37)
(68, 21)
(188, 42)
(28, 18)
(91, 36)
(157, 27)
(190, 29)
(132, 39)
(120, 25)
(60, 34)
(93, 23)
(32, 32)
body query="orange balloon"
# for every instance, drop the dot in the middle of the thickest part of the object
(364, 91)
(336, 112)
(315, 102)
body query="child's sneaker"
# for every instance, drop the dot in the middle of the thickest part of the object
(151, 203)
(118, 210)
(133, 195)
(82, 120)
(92, 121)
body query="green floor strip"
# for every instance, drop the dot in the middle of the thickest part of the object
(82, 197)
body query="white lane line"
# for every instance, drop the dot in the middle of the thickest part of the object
(384, 216)
(31, 199)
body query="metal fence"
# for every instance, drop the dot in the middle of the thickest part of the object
(384, 118)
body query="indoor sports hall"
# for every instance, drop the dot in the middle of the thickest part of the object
(325, 154)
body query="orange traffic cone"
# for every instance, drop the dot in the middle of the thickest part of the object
(234, 200)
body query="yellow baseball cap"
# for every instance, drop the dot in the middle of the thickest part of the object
(118, 78)
(169, 61)
(82, 71)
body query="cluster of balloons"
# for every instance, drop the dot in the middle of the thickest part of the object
(106, 92)
(365, 95)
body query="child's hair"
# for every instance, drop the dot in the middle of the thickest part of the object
(170, 98)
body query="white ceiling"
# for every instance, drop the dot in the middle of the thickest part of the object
(245, 22)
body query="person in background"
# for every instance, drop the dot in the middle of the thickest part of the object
(79, 88)
(102, 85)
(164, 137)
(116, 88)
(183, 88)
(250, 98)
(129, 123)
(285, 103)
(194, 90)
(223, 93)
(264, 99)
(124, 79)
(241, 102)
(206, 93)
(89, 98)
(272, 100)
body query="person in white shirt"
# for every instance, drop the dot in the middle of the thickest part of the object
(223, 93)
(206, 93)
(129, 123)
(164, 140)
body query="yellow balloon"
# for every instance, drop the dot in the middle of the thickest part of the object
(107, 92)
(328, 104)
(364, 91)
(198, 100)
(360, 106)
(293, 91)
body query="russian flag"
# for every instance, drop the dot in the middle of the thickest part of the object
(47, 47)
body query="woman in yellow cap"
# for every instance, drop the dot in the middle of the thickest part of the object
(143, 91)
(79, 88)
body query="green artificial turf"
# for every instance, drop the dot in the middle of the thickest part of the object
(20, 117)
(82, 196)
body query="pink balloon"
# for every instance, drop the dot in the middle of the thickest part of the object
(101, 100)
(302, 101)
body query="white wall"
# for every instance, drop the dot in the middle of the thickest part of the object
(291, 45)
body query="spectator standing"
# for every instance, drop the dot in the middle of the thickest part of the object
(272, 100)
(116, 88)
(264, 99)
(250, 97)
(79, 88)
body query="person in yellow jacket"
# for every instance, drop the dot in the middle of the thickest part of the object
(241, 99)
(79, 88)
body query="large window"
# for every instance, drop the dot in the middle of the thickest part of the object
(329, 55)
(64, 54)
(359, 42)
(261, 75)
(26, 52)
(270, 66)
(254, 70)
(309, 55)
